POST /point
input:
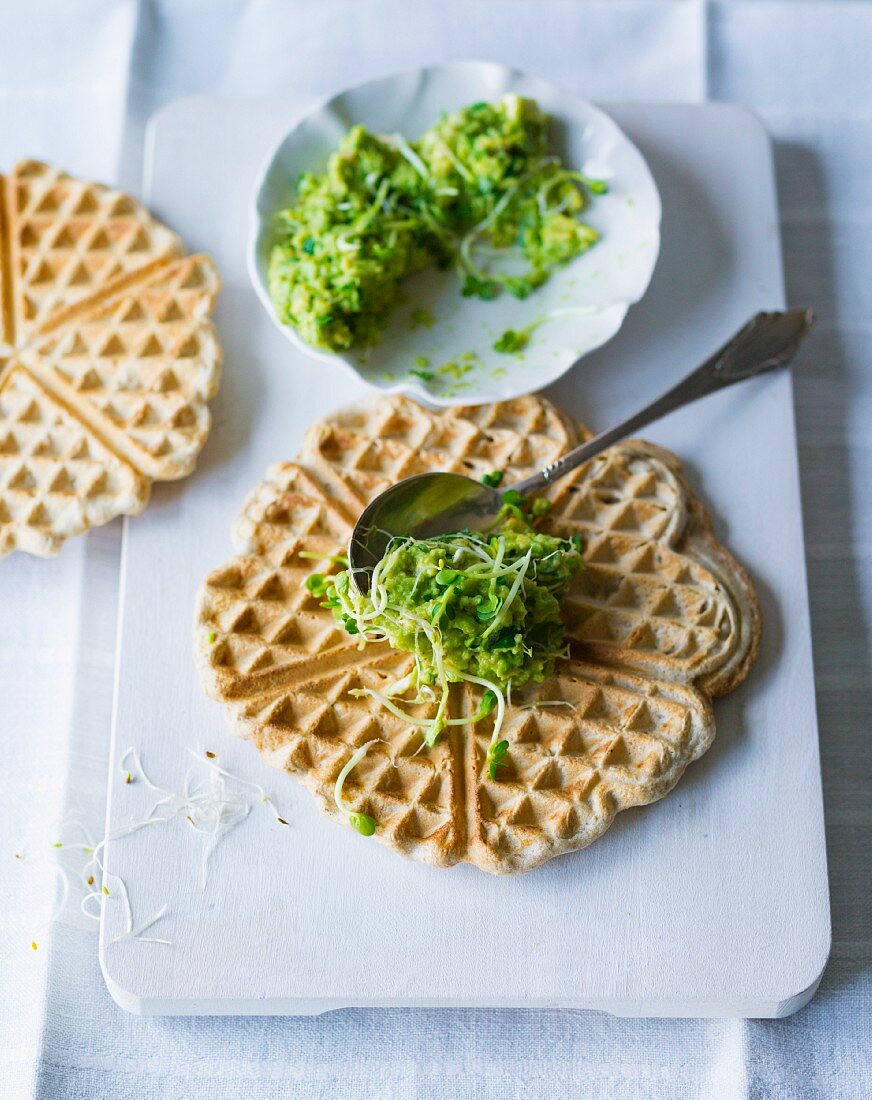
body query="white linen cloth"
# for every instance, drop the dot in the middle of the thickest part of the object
(78, 80)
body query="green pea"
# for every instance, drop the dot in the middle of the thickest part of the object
(317, 583)
(364, 824)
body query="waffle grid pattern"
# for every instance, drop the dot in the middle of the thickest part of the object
(639, 601)
(635, 718)
(72, 239)
(55, 473)
(110, 322)
(373, 448)
(623, 741)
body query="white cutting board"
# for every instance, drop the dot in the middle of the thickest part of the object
(711, 902)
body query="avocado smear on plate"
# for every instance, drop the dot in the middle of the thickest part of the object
(479, 180)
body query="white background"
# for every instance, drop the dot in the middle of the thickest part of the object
(78, 80)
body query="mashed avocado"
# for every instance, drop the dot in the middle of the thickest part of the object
(479, 608)
(385, 208)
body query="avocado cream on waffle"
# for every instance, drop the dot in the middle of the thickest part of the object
(107, 356)
(496, 699)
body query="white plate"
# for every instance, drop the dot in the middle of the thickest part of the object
(711, 902)
(583, 304)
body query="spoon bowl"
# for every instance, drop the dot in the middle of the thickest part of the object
(419, 507)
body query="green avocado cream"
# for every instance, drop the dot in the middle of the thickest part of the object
(478, 608)
(479, 180)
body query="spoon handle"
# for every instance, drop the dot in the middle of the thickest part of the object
(767, 341)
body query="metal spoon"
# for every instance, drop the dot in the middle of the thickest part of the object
(432, 504)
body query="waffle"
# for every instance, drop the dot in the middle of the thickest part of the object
(104, 326)
(59, 479)
(70, 239)
(658, 592)
(636, 704)
(373, 445)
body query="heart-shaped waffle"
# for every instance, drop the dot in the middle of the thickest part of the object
(658, 592)
(107, 356)
(661, 618)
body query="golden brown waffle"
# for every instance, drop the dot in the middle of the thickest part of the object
(286, 671)
(60, 480)
(104, 323)
(658, 592)
(625, 741)
(71, 239)
(367, 447)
